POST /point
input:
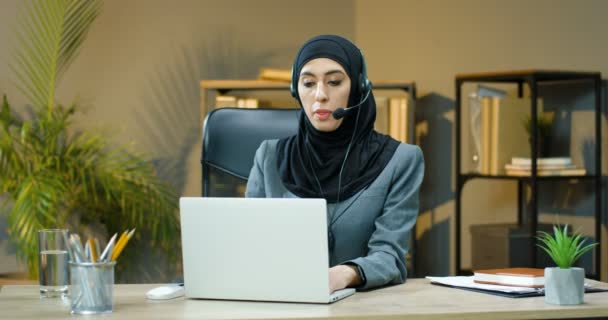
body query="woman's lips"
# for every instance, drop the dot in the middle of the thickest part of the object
(322, 114)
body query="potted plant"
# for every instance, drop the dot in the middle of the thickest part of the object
(55, 176)
(544, 124)
(564, 284)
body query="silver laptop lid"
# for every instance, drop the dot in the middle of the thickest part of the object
(255, 249)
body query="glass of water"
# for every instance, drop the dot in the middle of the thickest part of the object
(53, 262)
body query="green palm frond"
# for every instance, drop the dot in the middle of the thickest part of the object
(79, 18)
(39, 196)
(563, 249)
(56, 179)
(49, 37)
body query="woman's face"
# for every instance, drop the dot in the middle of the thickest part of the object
(323, 87)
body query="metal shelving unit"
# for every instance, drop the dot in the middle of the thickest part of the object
(531, 78)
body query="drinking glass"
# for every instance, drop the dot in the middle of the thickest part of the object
(53, 263)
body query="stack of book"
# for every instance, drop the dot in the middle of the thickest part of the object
(271, 74)
(507, 282)
(517, 277)
(499, 132)
(560, 166)
(235, 102)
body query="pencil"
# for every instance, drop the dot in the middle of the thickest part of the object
(108, 250)
(118, 245)
(93, 249)
(119, 249)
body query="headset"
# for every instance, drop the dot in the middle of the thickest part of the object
(365, 87)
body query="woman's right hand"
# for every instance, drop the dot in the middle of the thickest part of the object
(343, 276)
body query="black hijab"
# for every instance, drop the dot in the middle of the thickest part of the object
(310, 162)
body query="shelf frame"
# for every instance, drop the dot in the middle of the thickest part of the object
(530, 77)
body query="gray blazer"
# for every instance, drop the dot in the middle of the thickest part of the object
(372, 228)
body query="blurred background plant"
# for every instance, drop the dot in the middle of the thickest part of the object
(58, 178)
(544, 124)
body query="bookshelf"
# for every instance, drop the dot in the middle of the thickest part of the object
(532, 79)
(211, 89)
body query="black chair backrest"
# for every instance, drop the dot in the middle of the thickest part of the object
(231, 137)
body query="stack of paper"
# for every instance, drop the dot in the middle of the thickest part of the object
(467, 283)
(559, 166)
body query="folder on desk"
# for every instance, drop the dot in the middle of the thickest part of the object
(467, 283)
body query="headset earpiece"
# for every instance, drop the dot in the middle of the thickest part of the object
(292, 88)
(364, 84)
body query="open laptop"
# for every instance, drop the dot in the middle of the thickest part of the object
(256, 249)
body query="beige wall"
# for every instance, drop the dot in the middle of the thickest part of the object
(143, 61)
(139, 69)
(432, 41)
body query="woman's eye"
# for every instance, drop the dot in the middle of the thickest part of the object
(335, 83)
(308, 84)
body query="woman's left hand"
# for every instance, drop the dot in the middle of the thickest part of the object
(342, 276)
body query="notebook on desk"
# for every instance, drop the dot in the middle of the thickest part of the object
(256, 249)
(468, 283)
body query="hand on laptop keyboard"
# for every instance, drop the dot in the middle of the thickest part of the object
(343, 276)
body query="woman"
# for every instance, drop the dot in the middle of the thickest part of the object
(370, 181)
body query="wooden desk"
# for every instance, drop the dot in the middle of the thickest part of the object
(415, 300)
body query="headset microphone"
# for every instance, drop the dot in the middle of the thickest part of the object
(342, 112)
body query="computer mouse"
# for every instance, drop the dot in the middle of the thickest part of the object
(165, 292)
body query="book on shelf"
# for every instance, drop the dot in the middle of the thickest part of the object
(235, 102)
(553, 161)
(557, 166)
(483, 93)
(249, 103)
(399, 115)
(282, 75)
(486, 120)
(382, 115)
(392, 117)
(510, 166)
(517, 277)
(547, 172)
(225, 101)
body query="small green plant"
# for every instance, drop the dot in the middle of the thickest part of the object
(544, 122)
(564, 249)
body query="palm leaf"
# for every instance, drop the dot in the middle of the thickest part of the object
(79, 18)
(49, 37)
(38, 35)
(35, 209)
(57, 179)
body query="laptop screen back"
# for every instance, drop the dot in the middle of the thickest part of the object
(255, 249)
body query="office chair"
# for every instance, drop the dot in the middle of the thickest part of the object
(231, 137)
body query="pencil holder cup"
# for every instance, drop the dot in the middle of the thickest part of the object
(92, 287)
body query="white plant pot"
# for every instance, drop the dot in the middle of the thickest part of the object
(564, 286)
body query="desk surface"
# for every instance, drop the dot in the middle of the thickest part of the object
(417, 299)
